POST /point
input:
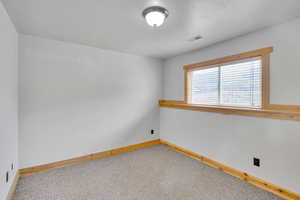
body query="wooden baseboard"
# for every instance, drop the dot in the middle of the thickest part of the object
(60, 164)
(13, 187)
(284, 193)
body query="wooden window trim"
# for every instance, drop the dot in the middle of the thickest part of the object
(275, 111)
(264, 55)
(264, 113)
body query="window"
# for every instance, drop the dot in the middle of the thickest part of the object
(240, 80)
(234, 85)
(231, 84)
(205, 86)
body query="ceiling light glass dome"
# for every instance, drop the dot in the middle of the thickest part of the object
(155, 16)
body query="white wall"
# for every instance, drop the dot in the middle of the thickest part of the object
(235, 140)
(8, 101)
(76, 100)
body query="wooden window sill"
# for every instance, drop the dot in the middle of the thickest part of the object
(275, 113)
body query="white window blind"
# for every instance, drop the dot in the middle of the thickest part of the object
(205, 86)
(232, 84)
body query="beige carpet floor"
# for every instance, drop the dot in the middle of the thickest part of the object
(153, 173)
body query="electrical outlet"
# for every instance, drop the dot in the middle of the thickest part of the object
(152, 132)
(256, 162)
(7, 177)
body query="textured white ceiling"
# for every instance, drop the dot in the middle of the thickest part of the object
(118, 24)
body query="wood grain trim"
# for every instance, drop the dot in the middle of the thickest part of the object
(249, 54)
(264, 113)
(294, 108)
(265, 80)
(60, 164)
(264, 55)
(134, 147)
(13, 186)
(284, 193)
(170, 102)
(187, 86)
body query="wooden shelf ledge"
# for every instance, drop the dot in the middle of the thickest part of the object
(272, 111)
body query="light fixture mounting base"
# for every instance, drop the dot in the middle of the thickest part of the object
(155, 9)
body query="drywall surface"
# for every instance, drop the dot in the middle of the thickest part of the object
(235, 140)
(8, 101)
(284, 67)
(76, 100)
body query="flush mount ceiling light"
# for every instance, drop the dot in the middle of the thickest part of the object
(155, 16)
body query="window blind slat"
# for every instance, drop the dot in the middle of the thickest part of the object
(205, 86)
(236, 84)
